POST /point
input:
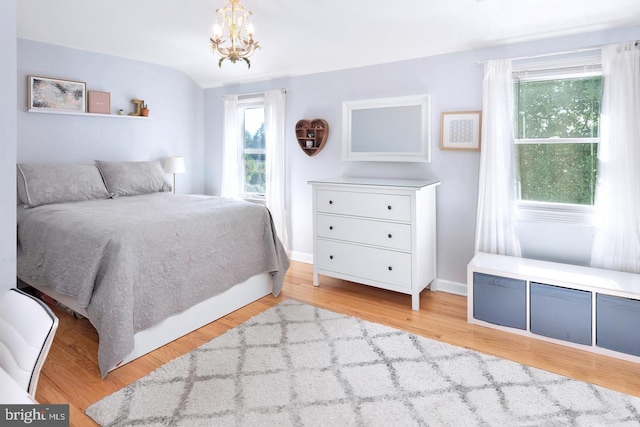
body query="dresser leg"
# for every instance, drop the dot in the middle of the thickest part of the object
(415, 302)
(316, 282)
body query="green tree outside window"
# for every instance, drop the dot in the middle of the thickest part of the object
(557, 130)
(254, 162)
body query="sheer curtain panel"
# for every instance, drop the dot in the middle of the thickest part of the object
(274, 103)
(230, 148)
(617, 240)
(496, 221)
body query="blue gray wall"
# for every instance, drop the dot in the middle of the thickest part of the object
(8, 132)
(175, 102)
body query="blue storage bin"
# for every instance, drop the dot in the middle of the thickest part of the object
(500, 300)
(617, 322)
(561, 313)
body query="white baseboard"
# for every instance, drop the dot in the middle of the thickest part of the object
(302, 257)
(441, 285)
(450, 287)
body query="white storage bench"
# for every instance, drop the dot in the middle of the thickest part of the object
(586, 308)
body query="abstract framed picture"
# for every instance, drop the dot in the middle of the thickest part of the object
(460, 130)
(45, 93)
(99, 102)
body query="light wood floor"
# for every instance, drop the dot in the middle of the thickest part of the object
(71, 375)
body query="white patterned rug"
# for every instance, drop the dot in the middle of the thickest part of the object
(298, 365)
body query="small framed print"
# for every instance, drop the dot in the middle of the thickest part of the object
(99, 102)
(460, 130)
(45, 93)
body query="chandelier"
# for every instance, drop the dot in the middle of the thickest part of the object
(233, 34)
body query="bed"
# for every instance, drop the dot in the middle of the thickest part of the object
(144, 265)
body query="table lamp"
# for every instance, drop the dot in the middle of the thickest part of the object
(174, 165)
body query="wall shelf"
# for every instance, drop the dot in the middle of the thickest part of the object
(312, 135)
(74, 113)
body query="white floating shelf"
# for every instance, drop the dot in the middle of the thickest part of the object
(77, 113)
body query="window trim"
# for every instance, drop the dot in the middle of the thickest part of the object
(532, 141)
(579, 64)
(564, 213)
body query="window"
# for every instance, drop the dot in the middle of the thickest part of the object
(254, 154)
(557, 117)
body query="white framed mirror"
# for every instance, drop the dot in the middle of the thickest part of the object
(396, 129)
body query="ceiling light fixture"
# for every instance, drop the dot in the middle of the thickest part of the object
(233, 34)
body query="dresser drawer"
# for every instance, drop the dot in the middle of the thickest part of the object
(380, 265)
(373, 205)
(390, 235)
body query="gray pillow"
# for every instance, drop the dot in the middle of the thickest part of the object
(46, 184)
(133, 178)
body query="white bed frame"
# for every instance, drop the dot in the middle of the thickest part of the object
(180, 324)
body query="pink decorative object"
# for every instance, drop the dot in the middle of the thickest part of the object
(99, 102)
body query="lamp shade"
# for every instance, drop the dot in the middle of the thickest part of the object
(174, 164)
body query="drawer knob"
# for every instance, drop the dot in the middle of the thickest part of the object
(330, 256)
(389, 207)
(331, 227)
(389, 235)
(390, 268)
(330, 202)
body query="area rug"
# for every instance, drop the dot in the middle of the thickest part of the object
(299, 365)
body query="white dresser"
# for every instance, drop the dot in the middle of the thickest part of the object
(379, 232)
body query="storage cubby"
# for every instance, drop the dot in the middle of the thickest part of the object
(494, 291)
(560, 313)
(312, 135)
(617, 324)
(581, 307)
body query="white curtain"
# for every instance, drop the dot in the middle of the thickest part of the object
(617, 206)
(274, 102)
(496, 221)
(230, 148)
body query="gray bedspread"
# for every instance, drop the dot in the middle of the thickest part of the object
(134, 261)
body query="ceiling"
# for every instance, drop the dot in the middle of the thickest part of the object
(303, 37)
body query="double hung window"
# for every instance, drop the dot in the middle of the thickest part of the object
(253, 148)
(557, 118)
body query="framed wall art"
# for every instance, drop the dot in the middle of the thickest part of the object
(460, 130)
(45, 93)
(99, 102)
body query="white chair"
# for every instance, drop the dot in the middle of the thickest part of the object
(27, 327)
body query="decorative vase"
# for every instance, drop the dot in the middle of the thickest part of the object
(145, 112)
